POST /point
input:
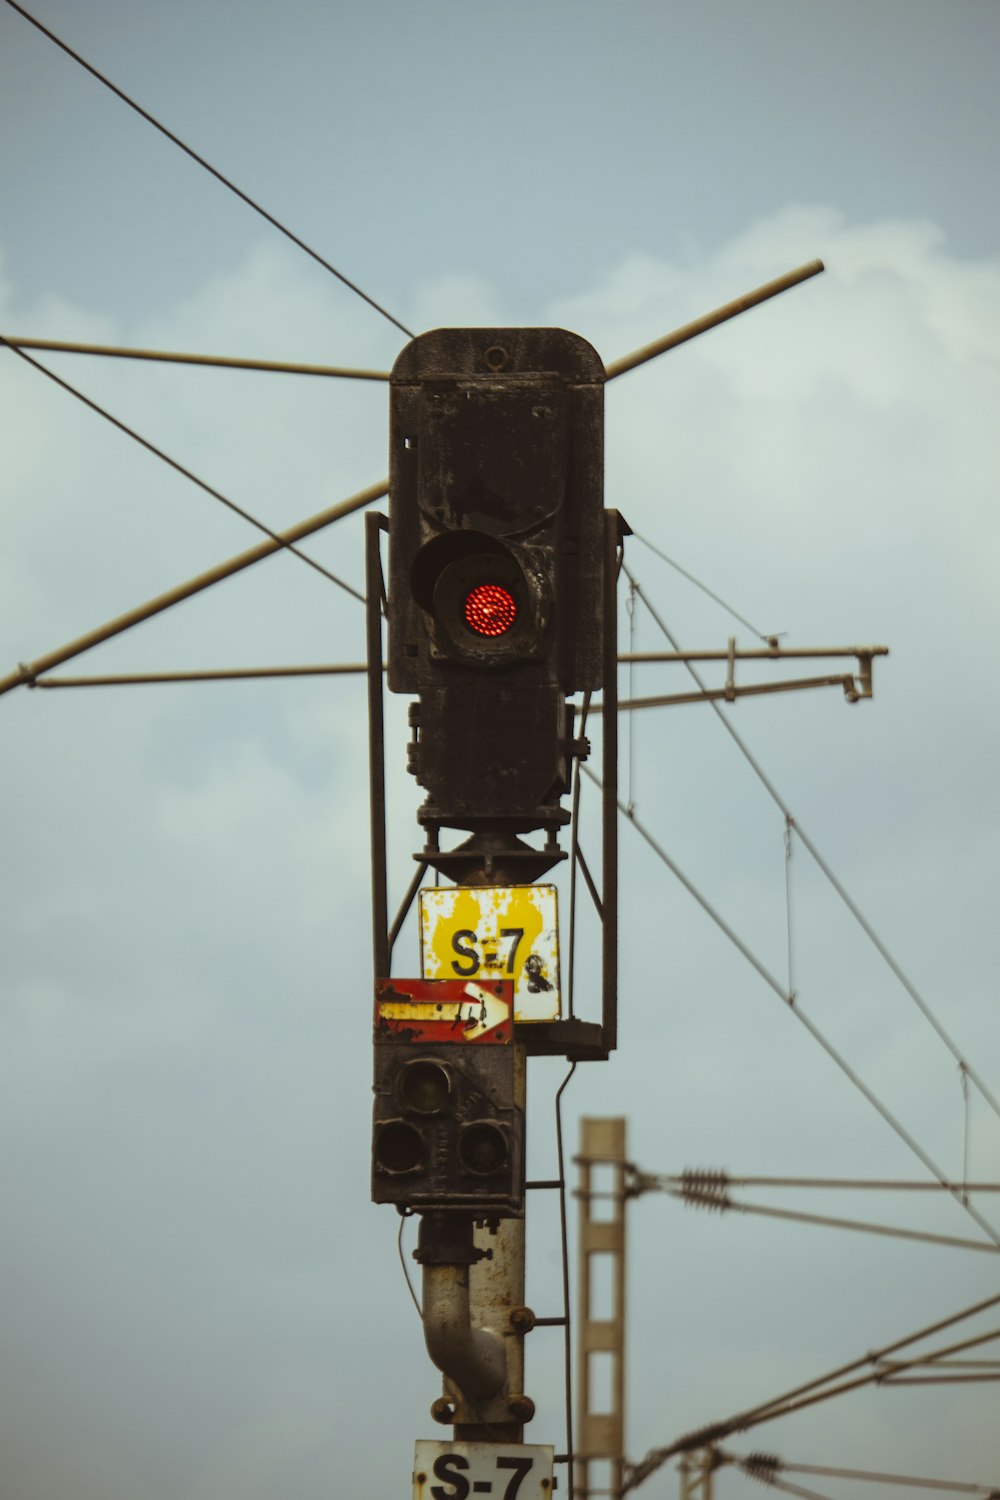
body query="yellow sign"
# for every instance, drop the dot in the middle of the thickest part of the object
(495, 932)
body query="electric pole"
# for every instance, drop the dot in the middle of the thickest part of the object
(500, 608)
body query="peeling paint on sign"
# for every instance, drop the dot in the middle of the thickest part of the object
(495, 932)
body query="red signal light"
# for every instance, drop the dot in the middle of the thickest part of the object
(490, 610)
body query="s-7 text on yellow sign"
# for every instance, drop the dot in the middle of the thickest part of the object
(495, 932)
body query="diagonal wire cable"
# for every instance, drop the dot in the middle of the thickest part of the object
(722, 1203)
(798, 1490)
(771, 1462)
(406, 1270)
(814, 1391)
(179, 467)
(793, 1005)
(669, 1181)
(189, 151)
(851, 905)
(716, 598)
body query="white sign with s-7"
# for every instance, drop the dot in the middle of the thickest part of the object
(497, 1471)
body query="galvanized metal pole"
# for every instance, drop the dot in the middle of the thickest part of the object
(696, 1471)
(496, 1302)
(601, 1428)
(28, 671)
(713, 319)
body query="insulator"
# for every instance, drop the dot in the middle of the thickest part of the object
(762, 1466)
(705, 1188)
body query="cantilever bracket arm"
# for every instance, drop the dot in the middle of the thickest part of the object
(856, 685)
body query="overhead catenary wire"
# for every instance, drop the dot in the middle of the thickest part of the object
(731, 1179)
(29, 672)
(724, 1204)
(815, 1392)
(799, 1490)
(795, 1008)
(656, 1457)
(771, 1463)
(214, 171)
(716, 598)
(796, 828)
(173, 463)
(616, 368)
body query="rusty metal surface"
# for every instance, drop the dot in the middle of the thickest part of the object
(496, 1283)
(374, 526)
(490, 932)
(473, 1358)
(424, 1151)
(449, 1012)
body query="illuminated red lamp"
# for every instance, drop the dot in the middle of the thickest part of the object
(490, 610)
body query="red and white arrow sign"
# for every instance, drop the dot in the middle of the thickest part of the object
(444, 1010)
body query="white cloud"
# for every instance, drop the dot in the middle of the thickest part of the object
(190, 865)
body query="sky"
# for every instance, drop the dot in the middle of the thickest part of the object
(200, 1301)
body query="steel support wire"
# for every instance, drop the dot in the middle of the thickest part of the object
(798, 1490)
(723, 1203)
(665, 1181)
(784, 1406)
(793, 1005)
(856, 913)
(751, 1463)
(716, 598)
(27, 672)
(816, 1390)
(189, 151)
(178, 467)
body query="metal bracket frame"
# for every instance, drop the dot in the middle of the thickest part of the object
(575, 1039)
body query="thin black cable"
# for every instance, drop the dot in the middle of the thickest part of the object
(179, 467)
(250, 202)
(788, 907)
(855, 911)
(963, 1075)
(568, 1340)
(574, 857)
(406, 1270)
(704, 588)
(796, 1010)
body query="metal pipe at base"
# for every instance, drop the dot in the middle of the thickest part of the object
(474, 1358)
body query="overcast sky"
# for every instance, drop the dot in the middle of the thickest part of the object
(199, 1301)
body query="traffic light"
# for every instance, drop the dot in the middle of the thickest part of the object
(496, 576)
(447, 1129)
